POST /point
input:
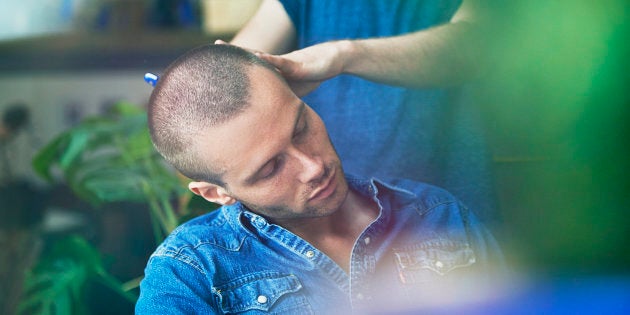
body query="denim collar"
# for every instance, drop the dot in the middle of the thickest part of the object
(240, 218)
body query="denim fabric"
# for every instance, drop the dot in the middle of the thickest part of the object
(234, 261)
(429, 135)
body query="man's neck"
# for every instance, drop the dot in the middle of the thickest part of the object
(336, 234)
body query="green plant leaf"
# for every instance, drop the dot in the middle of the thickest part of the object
(76, 146)
(48, 288)
(115, 185)
(106, 158)
(56, 285)
(47, 156)
(125, 108)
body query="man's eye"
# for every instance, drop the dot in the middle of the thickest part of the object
(270, 169)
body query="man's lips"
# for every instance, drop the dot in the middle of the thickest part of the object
(326, 189)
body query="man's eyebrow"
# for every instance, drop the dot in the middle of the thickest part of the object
(301, 108)
(252, 178)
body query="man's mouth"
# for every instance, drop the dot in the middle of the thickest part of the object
(326, 189)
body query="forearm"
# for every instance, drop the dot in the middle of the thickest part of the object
(441, 56)
(270, 30)
(445, 55)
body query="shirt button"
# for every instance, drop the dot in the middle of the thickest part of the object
(367, 240)
(262, 299)
(360, 296)
(258, 222)
(310, 254)
(439, 264)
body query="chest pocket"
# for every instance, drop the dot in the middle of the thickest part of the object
(264, 292)
(432, 261)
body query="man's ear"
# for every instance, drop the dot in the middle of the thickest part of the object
(211, 192)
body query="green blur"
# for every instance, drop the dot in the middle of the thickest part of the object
(556, 102)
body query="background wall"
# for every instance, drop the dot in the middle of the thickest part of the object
(58, 100)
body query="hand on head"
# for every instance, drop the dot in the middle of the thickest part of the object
(307, 68)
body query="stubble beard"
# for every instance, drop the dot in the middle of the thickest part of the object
(284, 212)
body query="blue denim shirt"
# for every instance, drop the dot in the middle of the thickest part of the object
(235, 261)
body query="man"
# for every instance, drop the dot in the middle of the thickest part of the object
(293, 235)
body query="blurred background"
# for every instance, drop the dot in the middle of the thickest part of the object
(80, 211)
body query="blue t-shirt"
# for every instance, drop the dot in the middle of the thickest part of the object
(429, 135)
(424, 245)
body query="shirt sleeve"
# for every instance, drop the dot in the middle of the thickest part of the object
(171, 286)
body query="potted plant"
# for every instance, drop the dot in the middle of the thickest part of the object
(103, 159)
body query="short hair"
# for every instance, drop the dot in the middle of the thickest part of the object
(205, 87)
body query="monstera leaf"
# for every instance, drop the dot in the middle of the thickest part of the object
(108, 158)
(103, 159)
(57, 284)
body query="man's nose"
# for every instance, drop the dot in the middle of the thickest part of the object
(313, 168)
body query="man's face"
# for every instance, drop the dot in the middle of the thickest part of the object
(276, 156)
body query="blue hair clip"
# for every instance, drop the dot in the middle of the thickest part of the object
(151, 78)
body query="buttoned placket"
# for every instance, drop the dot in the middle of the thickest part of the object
(363, 258)
(363, 263)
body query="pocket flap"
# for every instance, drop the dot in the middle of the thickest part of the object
(440, 259)
(258, 291)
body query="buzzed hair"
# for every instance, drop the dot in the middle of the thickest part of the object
(205, 87)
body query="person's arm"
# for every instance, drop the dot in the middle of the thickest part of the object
(270, 30)
(440, 56)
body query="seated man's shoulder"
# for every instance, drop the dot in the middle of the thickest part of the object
(420, 188)
(423, 194)
(212, 229)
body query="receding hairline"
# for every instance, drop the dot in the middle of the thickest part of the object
(220, 167)
(188, 158)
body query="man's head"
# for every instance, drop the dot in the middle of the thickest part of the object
(227, 120)
(205, 87)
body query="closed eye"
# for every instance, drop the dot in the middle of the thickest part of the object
(271, 168)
